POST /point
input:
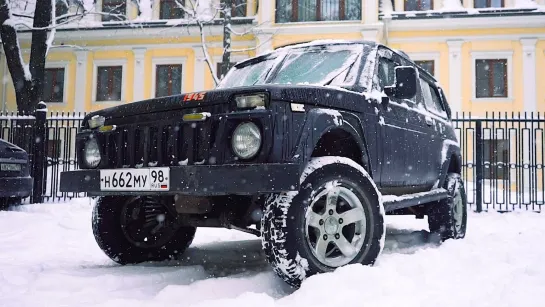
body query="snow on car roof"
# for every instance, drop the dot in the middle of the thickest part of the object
(313, 43)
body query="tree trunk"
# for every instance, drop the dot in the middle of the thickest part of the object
(226, 59)
(27, 81)
(38, 49)
(28, 85)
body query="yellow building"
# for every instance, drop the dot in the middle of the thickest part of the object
(489, 55)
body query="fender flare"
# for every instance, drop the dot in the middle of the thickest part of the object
(450, 150)
(318, 122)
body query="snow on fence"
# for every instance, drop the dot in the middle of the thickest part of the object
(503, 156)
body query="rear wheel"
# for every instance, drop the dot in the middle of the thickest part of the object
(449, 217)
(139, 229)
(335, 219)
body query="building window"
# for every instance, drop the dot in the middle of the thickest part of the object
(496, 152)
(317, 10)
(491, 78)
(168, 80)
(427, 65)
(238, 8)
(114, 10)
(481, 4)
(169, 9)
(61, 9)
(418, 5)
(109, 82)
(53, 85)
(218, 68)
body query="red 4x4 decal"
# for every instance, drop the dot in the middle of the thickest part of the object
(194, 96)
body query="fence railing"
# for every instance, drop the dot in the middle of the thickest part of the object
(503, 156)
(60, 147)
(503, 160)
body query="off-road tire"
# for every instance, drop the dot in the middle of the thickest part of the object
(110, 237)
(6, 203)
(283, 222)
(442, 217)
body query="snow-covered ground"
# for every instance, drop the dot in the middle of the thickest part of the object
(48, 257)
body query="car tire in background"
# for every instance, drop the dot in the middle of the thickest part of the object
(6, 203)
(303, 232)
(138, 229)
(448, 217)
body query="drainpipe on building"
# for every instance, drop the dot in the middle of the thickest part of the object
(4, 103)
(385, 27)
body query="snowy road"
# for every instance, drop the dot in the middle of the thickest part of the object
(48, 257)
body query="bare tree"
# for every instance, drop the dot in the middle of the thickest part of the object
(27, 79)
(205, 13)
(39, 17)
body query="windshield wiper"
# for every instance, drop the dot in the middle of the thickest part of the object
(328, 82)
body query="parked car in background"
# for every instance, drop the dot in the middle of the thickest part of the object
(15, 180)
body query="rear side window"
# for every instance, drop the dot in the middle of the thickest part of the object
(431, 98)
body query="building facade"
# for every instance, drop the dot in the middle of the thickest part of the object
(489, 55)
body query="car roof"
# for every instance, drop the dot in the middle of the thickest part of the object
(333, 42)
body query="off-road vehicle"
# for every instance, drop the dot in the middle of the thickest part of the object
(308, 146)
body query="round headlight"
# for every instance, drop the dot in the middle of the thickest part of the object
(91, 153)
(246, 140)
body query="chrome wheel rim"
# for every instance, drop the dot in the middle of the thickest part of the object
(335, 225)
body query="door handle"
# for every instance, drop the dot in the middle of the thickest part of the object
(429, 121)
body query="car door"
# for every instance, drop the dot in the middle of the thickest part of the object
(435, 116)
(404, 137)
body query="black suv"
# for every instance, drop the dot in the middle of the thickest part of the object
(308, 146)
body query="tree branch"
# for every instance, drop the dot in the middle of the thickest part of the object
(51, 37)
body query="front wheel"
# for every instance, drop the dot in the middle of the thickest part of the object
(335, 219)
(138, 229)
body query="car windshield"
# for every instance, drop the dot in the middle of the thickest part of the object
(323, 65)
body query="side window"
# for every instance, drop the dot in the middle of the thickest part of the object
(431, 98)
(386, 72)
(437, 101)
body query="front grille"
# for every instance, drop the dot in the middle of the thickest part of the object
(160, 144)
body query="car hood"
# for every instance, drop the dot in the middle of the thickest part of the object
(220, 100)
(11, 151)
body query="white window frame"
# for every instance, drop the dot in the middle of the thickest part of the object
(428, 56)
(110, 62)
(167, 61)
(65, 65)
(492, 55)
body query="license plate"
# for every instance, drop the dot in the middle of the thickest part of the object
(135, 179)
(10, 167)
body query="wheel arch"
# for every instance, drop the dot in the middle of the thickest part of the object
(452, 161)
(325, 131)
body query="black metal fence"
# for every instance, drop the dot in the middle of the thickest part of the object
(503, 160)
(503, 156)
(59, 153)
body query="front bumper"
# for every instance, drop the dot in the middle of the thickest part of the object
(15, 186)
(204, 180)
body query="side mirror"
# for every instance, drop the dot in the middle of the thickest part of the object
(405, 84)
